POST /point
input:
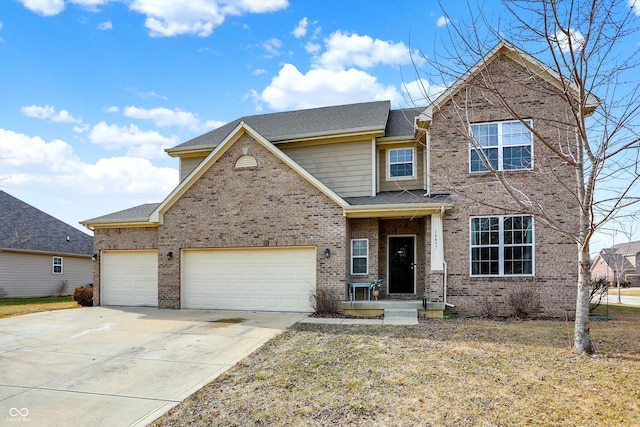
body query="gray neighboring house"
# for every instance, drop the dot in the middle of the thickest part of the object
(38, 252)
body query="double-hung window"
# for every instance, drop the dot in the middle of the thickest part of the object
(500, 146)
(57, 265)
(502, 246)
(360, 256)
(401, 163)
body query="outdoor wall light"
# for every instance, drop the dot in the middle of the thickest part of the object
(94, 257)
(169, 255)
(327, 253)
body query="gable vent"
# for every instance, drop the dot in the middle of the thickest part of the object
(245, 162)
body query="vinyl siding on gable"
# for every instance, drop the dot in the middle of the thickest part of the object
(30, 275)
(401, 184)
(344, 167)
(188, 164)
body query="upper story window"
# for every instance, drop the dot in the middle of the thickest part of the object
(57, 265)
(500, 146)
(502, 246)
(401, 163)
(359, 256)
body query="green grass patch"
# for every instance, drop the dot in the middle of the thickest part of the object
(19, 306)
(39, 300)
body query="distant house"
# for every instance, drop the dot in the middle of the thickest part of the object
(273, 209)
(38, 252)
(621, 260)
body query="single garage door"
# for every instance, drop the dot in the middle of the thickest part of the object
(129, 278)
(264, 279)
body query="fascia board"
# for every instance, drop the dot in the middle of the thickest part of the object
(519, 56)
(388, 211)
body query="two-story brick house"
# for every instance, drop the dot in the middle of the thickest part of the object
(273, 208)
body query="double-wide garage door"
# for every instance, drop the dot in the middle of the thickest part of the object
(129, 278)
(263, 279)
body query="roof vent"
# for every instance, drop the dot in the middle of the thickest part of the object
(245, 162)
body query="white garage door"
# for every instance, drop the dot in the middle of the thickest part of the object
(129, 278)
(265, 279)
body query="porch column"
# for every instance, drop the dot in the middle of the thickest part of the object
(436, 275)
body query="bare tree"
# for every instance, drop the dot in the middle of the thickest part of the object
(621, 251)
(595, 149)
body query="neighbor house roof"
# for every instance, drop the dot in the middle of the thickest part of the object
(25, 228)
(616, 256)
(309, 124)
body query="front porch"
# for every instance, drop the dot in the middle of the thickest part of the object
(376, 308)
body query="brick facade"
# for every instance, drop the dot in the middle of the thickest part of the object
(477, 194)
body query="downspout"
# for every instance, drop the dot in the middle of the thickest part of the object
(427, 163)
(444, 279)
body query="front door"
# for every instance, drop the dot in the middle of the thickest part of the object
(401, 265)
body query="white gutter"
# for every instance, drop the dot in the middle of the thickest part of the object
(444, 292)
(427, 163)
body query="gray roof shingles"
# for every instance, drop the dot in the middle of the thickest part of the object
(140, 212)
(401, 197)
(291, 124)
(23, 227)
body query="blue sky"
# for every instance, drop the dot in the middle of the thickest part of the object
(93, 91)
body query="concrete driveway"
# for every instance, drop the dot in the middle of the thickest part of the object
(104, 366)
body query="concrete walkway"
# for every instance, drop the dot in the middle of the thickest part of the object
(104, 366)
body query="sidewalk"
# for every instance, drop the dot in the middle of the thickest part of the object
(342, 321)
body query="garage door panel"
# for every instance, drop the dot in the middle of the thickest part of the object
(129, 278)
(265, 279)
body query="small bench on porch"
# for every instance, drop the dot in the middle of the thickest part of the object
(353, 288)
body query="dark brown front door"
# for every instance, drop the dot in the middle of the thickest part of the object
(401, 265)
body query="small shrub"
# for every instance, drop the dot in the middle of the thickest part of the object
(61, 289)
(623, 284)
(84, 295)
(487, 309)
(325, 302)
(524, 302)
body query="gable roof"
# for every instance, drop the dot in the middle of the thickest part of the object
(137, 215)
(25, 228)
(616, 256)
(517, 55)
(309, 124)
(241, 128)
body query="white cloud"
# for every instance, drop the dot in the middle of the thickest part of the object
(291, 89)
(272, 46)
(75, 190)
(312, 48)
(421, 92)
(148, 144)
(112, 109)
(301, 28)
(259, 71)
(164, 117)
(49, 112)
(107, 25)
(635, 5)
(442, 21)
(44, 7)
(166, 18)
(344, 50)
(562, 40)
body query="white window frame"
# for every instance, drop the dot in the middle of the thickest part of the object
(413, 164)
(500, 147)
(366, 257)
(501, 245)
(54, 265)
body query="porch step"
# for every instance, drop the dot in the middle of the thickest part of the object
(400, 316)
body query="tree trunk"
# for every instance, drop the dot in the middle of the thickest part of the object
(582, 338)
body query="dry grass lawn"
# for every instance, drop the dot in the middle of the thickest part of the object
(440, 373)
(630, 292)
(19, 306)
